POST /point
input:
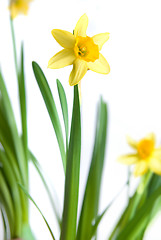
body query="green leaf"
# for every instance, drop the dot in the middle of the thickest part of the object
(134, 204)
(6, 227)
(11, 181)
(27, 233)
(14, 132)
(10, 154)
(22, 98)
(51, 107)
(68, 231)
(12, 144)
(12, 164)
(136, 224)
(7, 202)
(4, 127)
(64, 107)
(27, 194)
(6, 141)
(99, 217)
(89, 209)
(97, 222)
(37, 166)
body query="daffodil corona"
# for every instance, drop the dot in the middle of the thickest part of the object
(17, 7)
(80, 50)
(146, 156)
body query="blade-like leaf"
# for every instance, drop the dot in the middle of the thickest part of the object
(68, 231)
(6, 200)
(99, 217)
(6, 141)
(12, 164)
(10, 155)
(22, 98)
(64, 107)
(134, 226)
(89, 209)
(4, 127)
(27, 194)
(51, 107)
(27, 233)
(16, 199)
(36, 164)
(134, 204)
(7, 229)
(14, 132)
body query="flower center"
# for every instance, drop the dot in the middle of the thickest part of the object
(86, 49)
(145, 148)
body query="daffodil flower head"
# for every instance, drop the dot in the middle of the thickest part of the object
(146, 156)
(80, 50)
(17, 7)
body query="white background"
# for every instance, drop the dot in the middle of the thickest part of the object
(132, 91)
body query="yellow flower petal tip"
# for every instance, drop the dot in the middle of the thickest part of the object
(146, 156)
(17, 7)
(84, 51)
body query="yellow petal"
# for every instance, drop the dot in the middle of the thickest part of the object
(128, 159)
(100, 65)
(157, 152)
(81, 26)
(64, 38)
(155, 165)
(131, 142)
(62, 59)
(140, 168)
(78, 72)
(100, 39)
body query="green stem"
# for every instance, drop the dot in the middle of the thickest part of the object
(144, 182)
(14, 46)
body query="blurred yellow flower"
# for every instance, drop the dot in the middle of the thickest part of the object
(146, 156)
(80, 50)
(17, 7)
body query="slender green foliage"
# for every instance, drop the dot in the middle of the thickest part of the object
(135, 225)
(7, 202)
(10, 179)
(64, 107)
(14, 132)
(99, 217)
(22, 100)
(89, 209)
(28, 195)
(69, 221)
(37, 166)
(51, 107)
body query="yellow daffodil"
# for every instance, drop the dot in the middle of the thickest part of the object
(17, 7)
(146, 156)
(80, 50)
